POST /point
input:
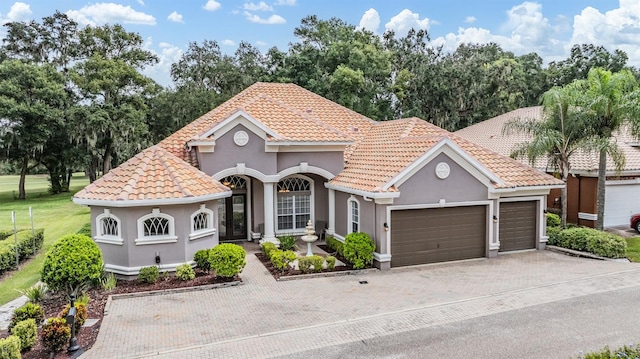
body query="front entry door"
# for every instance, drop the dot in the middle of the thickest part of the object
(232, 218)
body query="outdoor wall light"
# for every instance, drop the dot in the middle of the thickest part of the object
(495, 219)
(386, 226)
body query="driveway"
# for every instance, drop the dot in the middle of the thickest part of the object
(265, 318)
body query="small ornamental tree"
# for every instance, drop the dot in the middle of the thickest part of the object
(227, 260)
(73, 262)
(358, 249)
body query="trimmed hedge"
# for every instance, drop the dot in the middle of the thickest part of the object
(27, 245)
(624, 352)
(27, 311)
(85, 230)
(227, 260)
(5, 233)
(358, 249)
(10, 347)
(335, 245)
(281, 259)
(591, 240)
(185, 272)
(553, 220)
(149, 274)
(27, 331)
(201, 257)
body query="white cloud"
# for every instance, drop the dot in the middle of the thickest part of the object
(271, 20)
(261, 6)
(615, 29)
(285, 3)
(141, 2)
(167, 55)
(212, 5)
(228, 42)
(261, 43)
(405, 20)
(370, 21)
(18, 11)
(102, 13)
(175, 17)
(470, 19)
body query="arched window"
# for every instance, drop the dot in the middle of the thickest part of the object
(156, 228)
(353, 214)
(294, 203)
(202, 223)
(108, 228)
(234, 182)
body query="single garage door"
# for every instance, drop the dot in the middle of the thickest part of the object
(420, 236)
(621, 201)
(517, 225)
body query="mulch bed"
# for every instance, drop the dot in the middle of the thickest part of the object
(277, 274)
(53, 304)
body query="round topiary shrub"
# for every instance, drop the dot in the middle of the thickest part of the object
(185, 272)
(10, 347)
(55, 334)
(227, 260)
(27, 331)
(358, 249)
(27, 311)
(202, 260)
(81, 314)
(149, 274)
(74, 261)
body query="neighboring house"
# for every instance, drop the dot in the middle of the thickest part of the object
(276, 156)
(622, 194)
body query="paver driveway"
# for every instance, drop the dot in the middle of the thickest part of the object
(264, 318)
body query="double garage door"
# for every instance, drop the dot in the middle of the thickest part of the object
(421, 236)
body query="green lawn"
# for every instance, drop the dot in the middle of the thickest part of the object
(55, 213)
(633, 249)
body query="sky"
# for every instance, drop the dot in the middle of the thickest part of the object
(548, 27)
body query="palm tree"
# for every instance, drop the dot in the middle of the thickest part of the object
(556, 137)
(610, 102)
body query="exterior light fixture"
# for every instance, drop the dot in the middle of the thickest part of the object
(386, 227)
(495, 219)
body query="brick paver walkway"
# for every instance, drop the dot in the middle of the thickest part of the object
(265, 318)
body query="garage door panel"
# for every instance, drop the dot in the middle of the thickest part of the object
(621, 201)
(437, 235)
(518, 225)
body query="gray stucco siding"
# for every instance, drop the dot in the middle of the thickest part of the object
(332, 161)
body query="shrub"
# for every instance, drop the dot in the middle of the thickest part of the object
(331, 262)
(227, 260)
(27, 332)
(335, 245)
(358, 249)
(55, 334)
(281, 259)
(149, 274)
(591, 240)
(202, 260)
(5, 233)
(304, 264)
(81, 314)
(553, 233)
(553, 220)
(267, 248)
(85, 230)
(10, 347)
(36, 293)
(624, 352)
(27, 311)
(108, 282)
(73, 262)
(185, 272)
(287, 242)
(317, 262)
(28, 244)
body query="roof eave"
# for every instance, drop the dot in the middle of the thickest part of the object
(150, 202)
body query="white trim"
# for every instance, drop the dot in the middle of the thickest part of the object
(374, 195)
(275, 146)
(210, 226)
(532, 189)
(338, 237)
(248, 121)
(622, 182)
(457, 154)
(382, 257)
(311, 204)
(201, 234)
(588, 216)
(242, 170)
(490, 239)
(305, 168)
(331, 225)
(108, 239)
(168, 238)
(150, 202)
(129, 271)
(350, 201)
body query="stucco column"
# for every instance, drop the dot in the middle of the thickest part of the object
(269, 234)
(331, 226)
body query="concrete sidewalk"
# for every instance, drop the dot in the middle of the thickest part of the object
(265, 318)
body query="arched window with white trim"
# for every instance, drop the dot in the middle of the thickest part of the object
(294, 203)
(156, 228)
(353, 215)
(202, 223)
(108, 228)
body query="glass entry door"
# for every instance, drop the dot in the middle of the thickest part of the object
(232, 218)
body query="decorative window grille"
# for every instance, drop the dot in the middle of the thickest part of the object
(201, 221)
(293, 203)
(294, 184)
(234, 182)
(109, 227)
(156, 226)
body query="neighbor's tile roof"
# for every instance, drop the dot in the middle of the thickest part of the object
(294, 113)
(153, 174)
(391, 146)
(489, 134)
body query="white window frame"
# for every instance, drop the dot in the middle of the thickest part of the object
(169, 238)
(210, 230)
(350, 202)
(311, 205)
(107, 238)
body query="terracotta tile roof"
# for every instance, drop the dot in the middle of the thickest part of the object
(295, 114)
(392, 146)
(489, 134)
(153, 174)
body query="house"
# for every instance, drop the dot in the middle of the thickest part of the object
(276, 156)
(622, 192)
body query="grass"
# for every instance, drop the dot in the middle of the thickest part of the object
(57, 214)
(633, 249)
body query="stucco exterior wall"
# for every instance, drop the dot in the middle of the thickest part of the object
(425, 187)
(331, 161)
